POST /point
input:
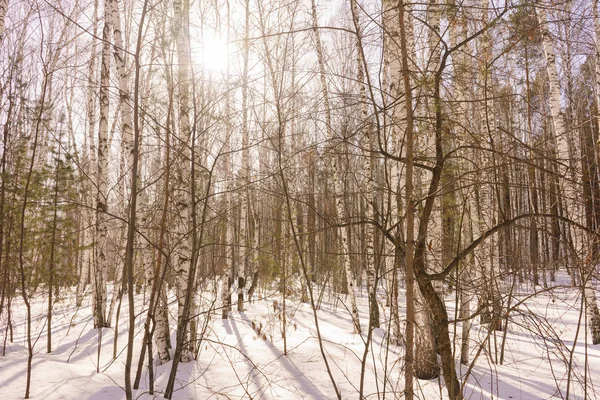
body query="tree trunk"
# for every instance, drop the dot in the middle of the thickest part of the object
(89, 158)
(3, 8)
(246, 251)
(338, 179)
(100, 265)
(367, 141)
(181, 190)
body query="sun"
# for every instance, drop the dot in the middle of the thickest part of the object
(213, 54)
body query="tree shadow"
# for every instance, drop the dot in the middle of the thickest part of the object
(297, 376)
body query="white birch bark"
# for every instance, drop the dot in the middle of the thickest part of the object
(488, 298)
(593, 311)
(126, 125)
(243, 238)
(86, 259)
(228, 234)
(458, 32)
(395, 122)
(434, 41)
(89, 157)
(118, 279)
(181, 194)
(465, 295)
(245, 251)
(100, 265)
(395, 110)
(227, 278)
(435, 49)
(160, 312)
(568, 167)
(425, 358)
(252, 215)
(227, 267)
(3, 8)
(369, 165)
(560, 132)
(124, 87)
(337, 178)
(162, 333)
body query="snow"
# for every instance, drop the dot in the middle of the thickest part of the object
(236, 362)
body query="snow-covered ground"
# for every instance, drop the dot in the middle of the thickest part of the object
(235, 361)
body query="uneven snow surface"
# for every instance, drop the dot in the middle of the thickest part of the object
(235, 362)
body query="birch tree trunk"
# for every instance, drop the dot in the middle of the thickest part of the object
(560, 132)
(3, 8)
(126, 124)
(489, 298)
(593, 311)
(89, 157)
(367, 141)
(392, 78)
(396, 120)
(465, 296)
(450, 214)
(118, 277)
(338, 180)
(590, 193)
(566, 166)
(155, 274)
(229, 238)
(246, 252)
(161, 313)
(181, 192)
(425, 359)
(100, 265)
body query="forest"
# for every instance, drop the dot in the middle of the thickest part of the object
(300, 199)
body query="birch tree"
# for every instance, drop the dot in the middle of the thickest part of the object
(567, 167)
(181, 193)
(368, 143)
(100, 265)
(3, 8)
(337, 172)
(246, 255)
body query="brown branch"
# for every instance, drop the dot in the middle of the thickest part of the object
(469, 249)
